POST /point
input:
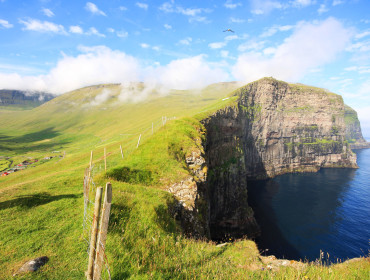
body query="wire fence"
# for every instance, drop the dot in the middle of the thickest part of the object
(129, 143)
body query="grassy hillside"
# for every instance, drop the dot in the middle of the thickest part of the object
(41, 207)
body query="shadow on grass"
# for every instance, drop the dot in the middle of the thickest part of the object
(30, 141)
(165, 216)
(120, 214)
(29, 201)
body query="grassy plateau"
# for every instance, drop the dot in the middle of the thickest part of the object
(42, 206)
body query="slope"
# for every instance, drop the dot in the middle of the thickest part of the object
(42, 207)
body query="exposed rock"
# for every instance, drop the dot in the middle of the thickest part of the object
(32, 265)
(193, 208)
(272, 263)
(353, 130)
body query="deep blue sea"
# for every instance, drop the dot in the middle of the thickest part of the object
(301, 214)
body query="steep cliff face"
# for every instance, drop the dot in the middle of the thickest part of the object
(273, 128)
(353, 129)
(266, 129)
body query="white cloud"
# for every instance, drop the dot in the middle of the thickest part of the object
(42, 26)
(110, 30)
(95, 65)
(94, 31)
(359, 47)
(337, 2)
(224, 54)
(322, 9)
(260, 7)
(122, 8)
(91, 7)
(4, 23)
(302, 3)
(142, 5)
(193, 72)
(47, 12)
(100, 98)
(144, 45)
(231, 37)
(199, 19)
(192, 13)
(230, 5)
(100, 64)
(122, 34)
(186, 41)
(364, 117)
(310, 46)
(136, 92)
(359, 69)
(167, 26)
(362, 34)
(274, 29)
(217, 45)
(236, 20)
(76, 29)
(251, 45)
(269, 51)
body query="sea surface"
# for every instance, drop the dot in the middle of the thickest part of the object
(301, 215)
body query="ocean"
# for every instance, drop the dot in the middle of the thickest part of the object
(301, 215)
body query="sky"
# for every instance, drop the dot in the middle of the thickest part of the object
(59, 46)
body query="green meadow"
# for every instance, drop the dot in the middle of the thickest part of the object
(42, 207)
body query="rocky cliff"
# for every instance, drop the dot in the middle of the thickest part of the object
(270, 128)
(353, 129)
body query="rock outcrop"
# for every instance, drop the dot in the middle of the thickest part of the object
(353, 129)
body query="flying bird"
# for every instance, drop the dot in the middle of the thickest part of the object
(228, 30)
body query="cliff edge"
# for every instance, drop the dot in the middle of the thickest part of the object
(272, 128)
(353, 129)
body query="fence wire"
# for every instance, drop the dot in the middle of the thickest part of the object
(129, 145)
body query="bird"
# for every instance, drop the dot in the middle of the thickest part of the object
(228, 30)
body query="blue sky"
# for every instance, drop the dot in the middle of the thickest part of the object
(58, 46)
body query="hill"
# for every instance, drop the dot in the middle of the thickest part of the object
(20, 100)
(42, 207)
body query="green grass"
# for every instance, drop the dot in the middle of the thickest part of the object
(41, 208)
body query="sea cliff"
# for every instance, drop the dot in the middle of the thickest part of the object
(271, 128)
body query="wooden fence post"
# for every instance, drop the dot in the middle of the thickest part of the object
(105, 160)
(94, 233)
(120, 146)
(91, 159)
(100, 251)
(138, 142)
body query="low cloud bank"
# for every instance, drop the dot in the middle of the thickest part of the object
(311, 44)
(100, 64)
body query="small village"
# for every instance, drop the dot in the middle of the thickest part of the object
(27, 163)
